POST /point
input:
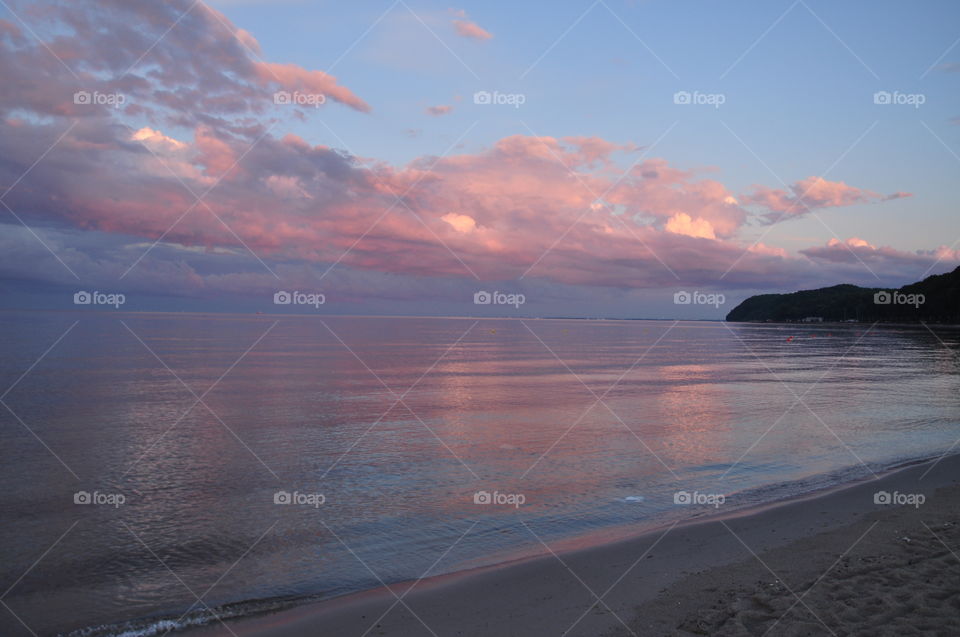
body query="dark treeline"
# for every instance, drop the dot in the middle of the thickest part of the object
(936, 299)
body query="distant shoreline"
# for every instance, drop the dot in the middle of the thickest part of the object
(471, 318)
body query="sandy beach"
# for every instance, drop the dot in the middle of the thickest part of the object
(833, 563)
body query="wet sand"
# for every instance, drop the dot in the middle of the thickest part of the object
(833, 563)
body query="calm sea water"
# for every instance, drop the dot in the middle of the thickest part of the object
(187, 440)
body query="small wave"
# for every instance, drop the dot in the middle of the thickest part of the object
(155, 626)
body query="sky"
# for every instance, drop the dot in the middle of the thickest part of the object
(623, 159)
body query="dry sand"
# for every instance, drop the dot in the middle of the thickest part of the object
(836, 563)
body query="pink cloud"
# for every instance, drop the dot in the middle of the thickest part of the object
(811, 193)
(559, 207)
(500, 210)
(438, 111)
(203, 71)
(471, 30)
(856, 251)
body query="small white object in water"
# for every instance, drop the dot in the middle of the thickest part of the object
(633, 498)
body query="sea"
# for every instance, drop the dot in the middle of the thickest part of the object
(165, 470)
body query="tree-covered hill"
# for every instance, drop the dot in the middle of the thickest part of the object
(936, 299)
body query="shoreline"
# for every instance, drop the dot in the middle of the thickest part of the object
(547, 593)
(69, 310)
